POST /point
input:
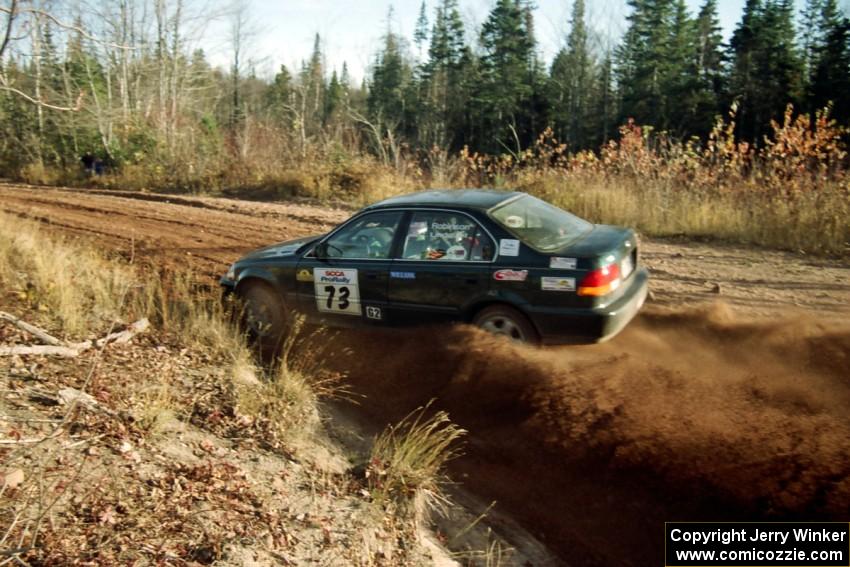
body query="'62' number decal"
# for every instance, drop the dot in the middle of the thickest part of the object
(342, 300)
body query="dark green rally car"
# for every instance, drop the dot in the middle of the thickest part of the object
(506, 262)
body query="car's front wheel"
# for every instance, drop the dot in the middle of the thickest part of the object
(263, 315)
(506, 321)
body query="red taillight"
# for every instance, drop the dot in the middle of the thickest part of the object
(600, 281)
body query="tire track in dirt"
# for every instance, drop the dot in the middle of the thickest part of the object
(204, 239)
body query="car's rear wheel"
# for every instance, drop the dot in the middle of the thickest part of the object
(263, 316)
(506, 321)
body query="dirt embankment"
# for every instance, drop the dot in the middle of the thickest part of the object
(691, 413)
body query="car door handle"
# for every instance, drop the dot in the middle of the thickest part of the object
(371, 276)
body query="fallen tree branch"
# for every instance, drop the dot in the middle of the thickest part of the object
(56, 347)
(31, 329)
(39, 350)
(120, 337)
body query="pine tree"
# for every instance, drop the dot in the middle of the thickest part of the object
(506, 91)
(442, 101)
(681, 85)
(420, 32)
(389, 89)
(744, 50)
(570, 83)
(605, 110)
(767, 69)
(644, 64)
(830, 79)
(334, 96)
(810, 33)
(710, 68)
(279, 94)
(313, 82)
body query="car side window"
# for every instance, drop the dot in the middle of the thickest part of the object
(442, 235)
(370, 236)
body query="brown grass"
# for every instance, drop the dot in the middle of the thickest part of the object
(405, 469)
(76, 285)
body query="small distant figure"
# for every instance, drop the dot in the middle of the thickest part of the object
(93, 165)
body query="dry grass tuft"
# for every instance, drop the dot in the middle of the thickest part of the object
(156, 406)
(284, 402)
(405, 470)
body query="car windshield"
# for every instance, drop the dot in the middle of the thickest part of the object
(539, 224)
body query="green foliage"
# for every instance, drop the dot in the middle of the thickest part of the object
(161, 117)
(830, 62)
(571, 84)
(767, 70)
(508, 78)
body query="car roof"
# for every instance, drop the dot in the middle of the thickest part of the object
(466, 198)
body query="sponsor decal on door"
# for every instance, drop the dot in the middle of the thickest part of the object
(510, 275)
(403, 275)
(337, 291)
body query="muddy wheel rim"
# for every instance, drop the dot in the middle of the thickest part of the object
(258, 319)
(503, 326)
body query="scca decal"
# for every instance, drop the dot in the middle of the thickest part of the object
(510, 275)
(334, 276)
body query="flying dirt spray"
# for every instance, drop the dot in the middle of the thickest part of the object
(694, 411)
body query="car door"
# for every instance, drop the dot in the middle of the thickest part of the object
(443, 265)
(343, 280)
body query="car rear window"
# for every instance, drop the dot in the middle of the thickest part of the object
(539, 224)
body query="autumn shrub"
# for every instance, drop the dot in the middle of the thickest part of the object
(792, 192)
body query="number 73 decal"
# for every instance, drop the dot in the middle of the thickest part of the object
(337, 291)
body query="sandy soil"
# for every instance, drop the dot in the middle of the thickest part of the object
(726, 399)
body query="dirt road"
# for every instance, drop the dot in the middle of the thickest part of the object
(209, 233)
(732, 410)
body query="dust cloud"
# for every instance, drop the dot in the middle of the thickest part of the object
(694, 413)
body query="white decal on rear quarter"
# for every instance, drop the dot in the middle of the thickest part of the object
(508, 247)
(558, 284)
(563, 263)
(337, 291)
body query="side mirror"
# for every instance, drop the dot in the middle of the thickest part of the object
(321, 251)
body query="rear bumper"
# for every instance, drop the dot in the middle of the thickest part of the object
(581, 326)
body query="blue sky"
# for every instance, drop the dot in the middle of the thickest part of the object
(351, 29)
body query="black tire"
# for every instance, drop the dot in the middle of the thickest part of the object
(263, 314)
(504, 320)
